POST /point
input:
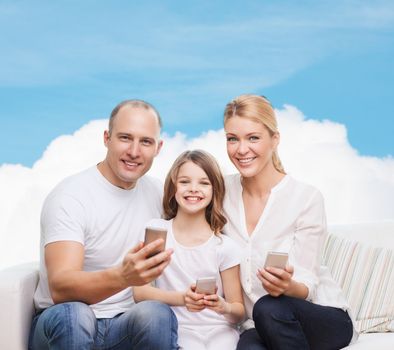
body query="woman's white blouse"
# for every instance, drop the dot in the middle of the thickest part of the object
(293, 221)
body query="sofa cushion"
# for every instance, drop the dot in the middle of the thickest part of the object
(17, 286)
(368, 341)
(364, 273)
(377, 311)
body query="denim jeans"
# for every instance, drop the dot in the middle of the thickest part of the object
(73, 326)
(287, 323)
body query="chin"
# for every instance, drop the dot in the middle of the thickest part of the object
(127, 179)
(247, 172)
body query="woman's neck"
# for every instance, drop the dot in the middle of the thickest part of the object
(262, 183)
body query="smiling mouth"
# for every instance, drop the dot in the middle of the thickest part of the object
(130, 164)
(245, 160)
(193, 199)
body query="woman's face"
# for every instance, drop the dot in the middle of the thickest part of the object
(249, 145)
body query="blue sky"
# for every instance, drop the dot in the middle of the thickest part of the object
(67, 62)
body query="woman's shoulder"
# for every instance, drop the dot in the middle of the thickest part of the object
(232, 183)
(302, 187)
(303, 191)
(232, 178)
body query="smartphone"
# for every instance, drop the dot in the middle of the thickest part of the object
(152, 234)
(206, 285)
(276, 259)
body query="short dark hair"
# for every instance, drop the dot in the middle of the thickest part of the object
(134, 103)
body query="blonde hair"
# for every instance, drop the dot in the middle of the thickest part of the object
(214, 211)
(258, 109)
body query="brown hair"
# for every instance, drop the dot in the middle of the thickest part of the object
(134, 104)
(258, 109)
(214, 211)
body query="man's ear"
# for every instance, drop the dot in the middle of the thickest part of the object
(159, 146)
(106, 137)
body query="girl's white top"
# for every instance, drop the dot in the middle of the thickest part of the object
(189, 263)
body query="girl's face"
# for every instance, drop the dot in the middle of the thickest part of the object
(193, 188)
(249, 145)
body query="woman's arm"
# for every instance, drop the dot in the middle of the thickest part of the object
(148, 292)
(231, 306)
(309, 239)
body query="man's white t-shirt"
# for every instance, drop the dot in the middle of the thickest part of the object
(105, 219)
(217, 254)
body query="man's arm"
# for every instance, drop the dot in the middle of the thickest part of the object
(68, 282)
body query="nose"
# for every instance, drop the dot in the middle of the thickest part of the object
(193, 186)
(134, 149)
(242, 147)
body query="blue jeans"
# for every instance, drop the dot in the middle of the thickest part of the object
(288, 323)
(73, 326)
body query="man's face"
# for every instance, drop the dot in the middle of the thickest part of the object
(131, 146)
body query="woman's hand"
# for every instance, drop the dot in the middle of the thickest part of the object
(277, 281)
(194, 302)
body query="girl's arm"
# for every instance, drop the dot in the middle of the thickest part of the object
(190, 299)
(231, 306)
(148, 292)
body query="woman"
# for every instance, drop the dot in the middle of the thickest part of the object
(300, 306)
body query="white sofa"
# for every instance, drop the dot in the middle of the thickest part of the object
(17, 285)
(361, 258)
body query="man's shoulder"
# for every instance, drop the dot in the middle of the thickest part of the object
(74, 184)
(150, 182)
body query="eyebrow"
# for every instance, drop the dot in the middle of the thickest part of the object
(187, 177)
(251, 133)
(120, 133)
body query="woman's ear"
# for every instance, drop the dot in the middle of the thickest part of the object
(276, 140)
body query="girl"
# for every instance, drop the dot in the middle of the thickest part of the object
(193, 197)
(300, 306)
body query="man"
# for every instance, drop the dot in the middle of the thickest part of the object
(89, 222)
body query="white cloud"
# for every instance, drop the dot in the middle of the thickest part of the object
(355, 188)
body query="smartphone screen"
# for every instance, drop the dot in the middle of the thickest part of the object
(206, 285)
(276, 259)
(154, 233)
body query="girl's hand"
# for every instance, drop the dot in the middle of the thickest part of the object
(194, 302)
(217, 304)
(276, 281)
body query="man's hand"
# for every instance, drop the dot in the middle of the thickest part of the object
(137, 269)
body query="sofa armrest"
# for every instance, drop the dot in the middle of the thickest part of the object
(17, 287)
